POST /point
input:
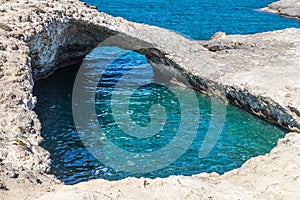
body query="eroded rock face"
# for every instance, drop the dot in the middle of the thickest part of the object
(257, 72)
(64, 43)
(19, 126)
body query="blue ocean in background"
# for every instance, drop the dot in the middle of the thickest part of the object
(198, 19)
(243, 135)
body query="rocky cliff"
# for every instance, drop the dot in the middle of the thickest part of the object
(259, 73)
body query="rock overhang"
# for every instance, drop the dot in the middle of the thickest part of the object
(265, 83)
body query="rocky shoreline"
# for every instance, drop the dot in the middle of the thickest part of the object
(256, 72)
(286, 8)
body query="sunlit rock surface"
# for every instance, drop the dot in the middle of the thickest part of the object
(258, 72)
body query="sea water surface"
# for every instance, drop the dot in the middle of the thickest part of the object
(242, 137)
(199, 19)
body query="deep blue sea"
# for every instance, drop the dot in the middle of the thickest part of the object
(242, 135)
(198, 19)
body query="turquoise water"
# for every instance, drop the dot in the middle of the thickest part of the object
(199, 19)
(242, 137)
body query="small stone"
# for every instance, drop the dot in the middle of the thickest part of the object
(69, 13)
(2, 9)
(39, 181)
(3, 186)
(3, 47)
(12, 174)
(15, 47)
(3, 154)
(5, 27)
(218, 36)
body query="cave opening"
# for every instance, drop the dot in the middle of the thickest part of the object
(242, 135)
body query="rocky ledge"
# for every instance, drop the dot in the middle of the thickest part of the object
(259, 73)
(287, 8)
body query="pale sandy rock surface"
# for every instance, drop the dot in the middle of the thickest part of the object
(257, 72)
(288, 8)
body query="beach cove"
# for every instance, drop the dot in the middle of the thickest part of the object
(256, 81)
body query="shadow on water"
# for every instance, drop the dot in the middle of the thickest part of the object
(243, 135)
